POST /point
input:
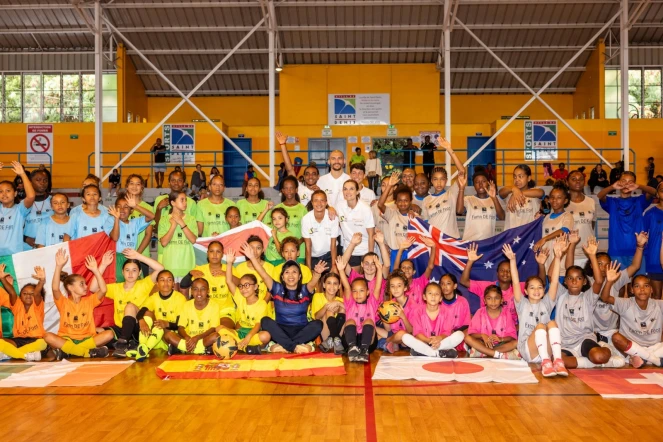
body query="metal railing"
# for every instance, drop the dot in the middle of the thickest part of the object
(22, 157)
(505, 164)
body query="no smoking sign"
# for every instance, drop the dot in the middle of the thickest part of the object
(40, 143)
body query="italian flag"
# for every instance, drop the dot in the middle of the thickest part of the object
(77, 250)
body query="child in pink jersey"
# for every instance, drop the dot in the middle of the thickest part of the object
(391, 334)
(431, 328)
(368, 264)
(361, 307)
(416, 285)
(492, 331)
(455, 307)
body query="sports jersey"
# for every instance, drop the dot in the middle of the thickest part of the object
(191, 207)
(530, 315)
(243, 269)
(523, 214)
(197, 322)
(379, 221)
(422, 324)
(213, 216)
(418, 200)
(479, 288)
(51, 233)
(440, 211)
(371, 284)
(12, 220)
(397, 231)
(295, 215)
(250, 211)
(304, 193)
(333, 187)
(653, 224)
(141, 235)
(408, 308)
(367, 195)
(85, 225)
(38, 214)
(320, 233)
(502, 326)
(27, 324)
(248, 315)
(291, 307)
(640, 326)
(218, 288)
(625, 221)
(575, 315)
(552, 223)
(136, 295)
(584, 214)
(165, 308)
(416, 289)
(605, 319)
(457, 311)
(355, 220)
(320, 300)
(78, 209)
(77, 320)
(306, 273)
(272, 254)
(480, 218)
(360, 312)
(178, 255)
(129, 232)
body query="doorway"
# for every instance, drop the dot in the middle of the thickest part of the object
(319, 149)
(234, 165)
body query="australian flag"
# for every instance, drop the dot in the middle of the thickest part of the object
(452, 253)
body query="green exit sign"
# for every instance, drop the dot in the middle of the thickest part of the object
(612, 133)
(73, 136)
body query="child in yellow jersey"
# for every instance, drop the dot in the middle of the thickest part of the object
(27, 337)
(250, 311)
(290, 252)
(159, 313)
(77, 335)
(247, 267)
(215, 274)
(129, 296)
(199, 323)
(330, 309)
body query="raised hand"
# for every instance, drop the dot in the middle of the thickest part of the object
(340, 263)
(162, 204)
(356, 239)
(61, 258)
(230, 257)
(394, 178)
(128, 253)
(270, 205)
(320, 267)
(379, 236)
(472, 254)
(461, 180)
(445, 144)
(508, 252)
(114, 212)
(642, 238)
(542, 256)
(17, 168)
(378, 265)
(560, 245)
(591, 247)
(3, 274)
(491, 188)
(428, 242)
(407, 243)
(612, 273)
(91, 263)
(618, 185)
(131, 200)
(40, 274)
(108, 257)
(574, 237)
(247, 250)
(282, 139)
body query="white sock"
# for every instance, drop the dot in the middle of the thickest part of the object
(585, 363)
(419, 347)
(452, 340)
(656, 352)
(615, 362)
(497, 355)
(555, 342)
(637, 350)
(541, 341)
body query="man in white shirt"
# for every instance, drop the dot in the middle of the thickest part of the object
(358, 173)
(332, 183)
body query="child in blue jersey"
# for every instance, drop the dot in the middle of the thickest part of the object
(91, 219)
(90, 179)
(653, 224)
(57, 228)
(626, 217)
(41, 210)
(12, 216)
(125, 231)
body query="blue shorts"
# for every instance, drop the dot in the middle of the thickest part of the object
(161, 167)
(626, 261)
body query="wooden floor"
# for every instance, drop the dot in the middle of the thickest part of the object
(137, 405)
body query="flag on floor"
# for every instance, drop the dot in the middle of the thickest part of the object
(59, 374)
(452, 253)
(77, 250)
(446, 370)
(233, 239)
(624, 384)
(247, 366)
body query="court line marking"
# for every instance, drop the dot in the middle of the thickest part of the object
(369, 405)
(183, 394)
(492, 395)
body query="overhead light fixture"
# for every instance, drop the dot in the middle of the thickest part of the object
(278, 68)
(279, 63)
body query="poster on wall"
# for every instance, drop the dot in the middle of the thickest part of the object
(39, 143)
(540, 140)
(358, 109)
(180, 140)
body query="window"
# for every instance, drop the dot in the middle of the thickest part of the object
(32, 98)
(644, 90)
(88, 98)
(109, 103)
(13, 108)
(52, 98)
(71, 98)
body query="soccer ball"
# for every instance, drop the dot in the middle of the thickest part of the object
(388, 312)
(225, 347)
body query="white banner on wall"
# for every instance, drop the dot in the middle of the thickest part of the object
(39, 142)
(180, 140)
(358, 109)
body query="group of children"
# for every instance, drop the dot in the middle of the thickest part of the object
(320, 279)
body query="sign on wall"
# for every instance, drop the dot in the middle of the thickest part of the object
(180, 140)
(358, 109)
(540, 140)
(39, 141)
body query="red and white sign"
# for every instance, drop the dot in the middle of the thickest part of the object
(40, 142)
(624, 383)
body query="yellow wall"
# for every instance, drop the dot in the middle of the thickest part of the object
(472, 109)
(590, 90)
(130, 89)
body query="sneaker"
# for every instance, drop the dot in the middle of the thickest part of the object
(391, 348)
(99, 352)
(33, 356)
(547, 368)
(121, 347)
(59, 354)
(338, 347)
(253, 350)
(474, 353)
(141, 353)
(637, 362)
(353, 353)
(413, 352)
(172, 350)
(327, 345)
(3, 357)
(560, 369)
(363, 356)
(209, 351)
(449, 354)
(512, 355)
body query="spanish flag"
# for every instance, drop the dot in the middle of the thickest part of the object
(249, 366)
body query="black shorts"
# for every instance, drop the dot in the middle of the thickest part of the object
(326, 258)
(655, 276)
(586, 346)
(20, 342)
(118, 331)
(355, 261)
